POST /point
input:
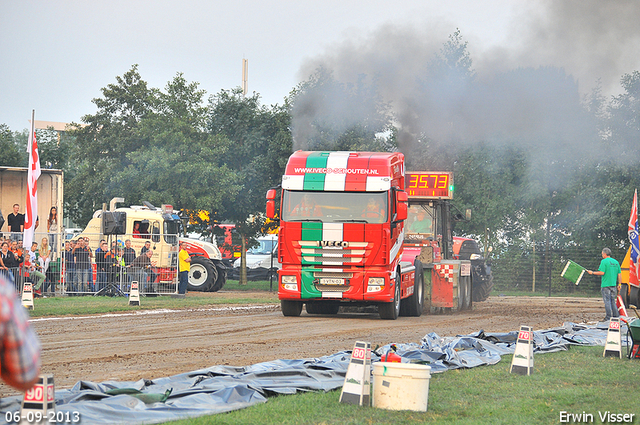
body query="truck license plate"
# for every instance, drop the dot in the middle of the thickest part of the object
(331, 281)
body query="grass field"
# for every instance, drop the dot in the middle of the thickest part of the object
(64, 306)
(575, 382)
(252, 285)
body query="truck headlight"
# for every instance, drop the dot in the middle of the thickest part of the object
(475, 256)
(375, 284)
(290, 283)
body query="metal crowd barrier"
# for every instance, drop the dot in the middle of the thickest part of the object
(65, 278)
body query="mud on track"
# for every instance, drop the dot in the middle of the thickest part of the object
(128, 347)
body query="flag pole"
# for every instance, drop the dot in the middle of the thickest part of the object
(33, 128)
(33, 172)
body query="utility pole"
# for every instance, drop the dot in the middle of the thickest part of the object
(245, 76)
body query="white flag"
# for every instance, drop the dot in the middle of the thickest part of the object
(31, 213)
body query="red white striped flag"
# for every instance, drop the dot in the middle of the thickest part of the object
(634, 270)
(31, 213)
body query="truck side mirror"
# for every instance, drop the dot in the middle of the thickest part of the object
(271, 203)
(401, 208)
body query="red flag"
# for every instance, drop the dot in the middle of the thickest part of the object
(31, 213)
(634, 271)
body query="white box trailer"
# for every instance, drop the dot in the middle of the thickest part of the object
(13, 190)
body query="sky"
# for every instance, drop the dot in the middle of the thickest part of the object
(57, 55)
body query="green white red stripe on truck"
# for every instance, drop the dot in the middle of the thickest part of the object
(340, 171)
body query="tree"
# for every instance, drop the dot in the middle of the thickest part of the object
(146, 144)
(104, 142)
(181, 163)
(55, 149)
(261, 143)
(488, 180)
(10, 151)
(624, 124)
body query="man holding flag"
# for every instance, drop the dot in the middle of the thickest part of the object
(634, 271)
(33, 173)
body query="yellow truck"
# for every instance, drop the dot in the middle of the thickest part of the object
(162, 228)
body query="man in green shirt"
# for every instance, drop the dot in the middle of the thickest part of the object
(610, 271)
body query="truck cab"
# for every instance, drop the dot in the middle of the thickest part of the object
(161, 229)
(341, 233)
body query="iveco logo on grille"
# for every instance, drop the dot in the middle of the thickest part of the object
(334, 243)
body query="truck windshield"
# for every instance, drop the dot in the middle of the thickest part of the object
(264, 247)
(335, 207)
(172, 228)
(419, 224)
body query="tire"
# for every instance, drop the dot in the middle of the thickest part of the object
(482, 286)
(331, 308)
(391, 311)
(413, 305)
(202, 274)
(291, 308)
(312, 308)
(272, 274)
(220, 281)
(466, 303)
(462, 293)
(322, 307)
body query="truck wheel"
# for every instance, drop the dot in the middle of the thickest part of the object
(330, 308)
(202, 274)
(291, 308)
(272, 275)
(312, 308)
(220, 281)
(462, 292)
(482, 286)
(467, 293)
(391, 311)
(413, 305)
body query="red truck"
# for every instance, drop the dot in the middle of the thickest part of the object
(229, 244)
(341, 234)
(454, 269)
(348, 237)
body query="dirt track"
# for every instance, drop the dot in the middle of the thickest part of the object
(128, 347)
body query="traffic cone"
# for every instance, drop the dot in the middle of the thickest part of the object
(613, 347)
(357, 382)
(39, 402)
(27, 295)
(134, 294)
(522, 362)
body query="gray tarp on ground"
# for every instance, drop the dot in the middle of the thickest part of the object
(225, 388)
(481, 348)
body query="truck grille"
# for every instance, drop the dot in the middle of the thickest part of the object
(332, 288)
(347, 253)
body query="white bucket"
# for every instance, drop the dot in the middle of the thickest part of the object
(401, 386)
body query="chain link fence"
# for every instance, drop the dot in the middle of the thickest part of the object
(539, 270)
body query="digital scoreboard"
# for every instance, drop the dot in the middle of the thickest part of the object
(429, 185)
